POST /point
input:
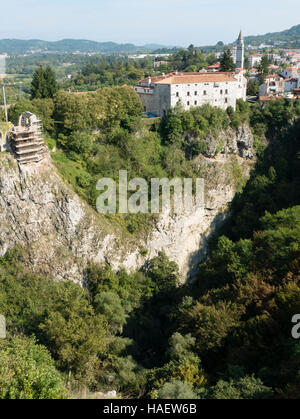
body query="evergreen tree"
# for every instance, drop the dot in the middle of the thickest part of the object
(43, 83)
(263, 69)
(227, 63)
(50, 80)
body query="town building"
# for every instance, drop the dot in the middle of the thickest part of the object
(158, 64)
(214, 67)
(290, 72)
(222, 90)
(273, 57)
(291, 84)
(3, 66)
(274, 85)
(255, 60)
(254, 74)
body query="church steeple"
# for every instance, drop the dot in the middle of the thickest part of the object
(240, 51)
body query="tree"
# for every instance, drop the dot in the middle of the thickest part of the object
(243, 388)
(227, 63)
(176, 390)
(263, 69)
(43, 108)
(27, 371)
(163, 272)
(43, 83)
(72, 331)
(180, 346)
(109, 305)
(252, 88)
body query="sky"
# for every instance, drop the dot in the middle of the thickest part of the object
(167, 22)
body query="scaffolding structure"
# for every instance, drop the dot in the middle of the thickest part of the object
(26, 140)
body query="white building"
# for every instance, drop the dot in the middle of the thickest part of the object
(274, 57)
(218, 89)
(3, 66)
(255, 60)
(274, 85)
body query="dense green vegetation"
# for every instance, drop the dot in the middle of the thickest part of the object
(115, 70)
(43, 85)
(227, 63)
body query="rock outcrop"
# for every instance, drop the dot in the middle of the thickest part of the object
(61, 233)
(238, 142)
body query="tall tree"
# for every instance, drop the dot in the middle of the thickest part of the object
(43, 83)
(263, 69)
(227, 63)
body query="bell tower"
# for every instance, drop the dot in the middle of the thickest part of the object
(240, 51)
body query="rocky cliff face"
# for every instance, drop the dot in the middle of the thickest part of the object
(62, 233)
(238, 142)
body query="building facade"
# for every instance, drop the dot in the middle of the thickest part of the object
(255, 60)
(274, 85)
(218, 89)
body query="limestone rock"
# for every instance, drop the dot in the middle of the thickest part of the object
(239, 141)
(62, 233)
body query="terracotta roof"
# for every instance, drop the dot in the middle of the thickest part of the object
(218, 65)
(188, 77)
(199, 78)
(83, 93)
(266, 98)
(153, 80)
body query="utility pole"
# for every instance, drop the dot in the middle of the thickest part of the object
(4, 100)
(20, 91)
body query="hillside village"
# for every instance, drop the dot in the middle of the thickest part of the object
(262, 72)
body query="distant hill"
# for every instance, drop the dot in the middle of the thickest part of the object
(289, 36)
(17, 46)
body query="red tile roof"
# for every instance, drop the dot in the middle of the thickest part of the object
(266, 98)
(191, 77)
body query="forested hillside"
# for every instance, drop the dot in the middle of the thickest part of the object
(18, 46)
(289, 36)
